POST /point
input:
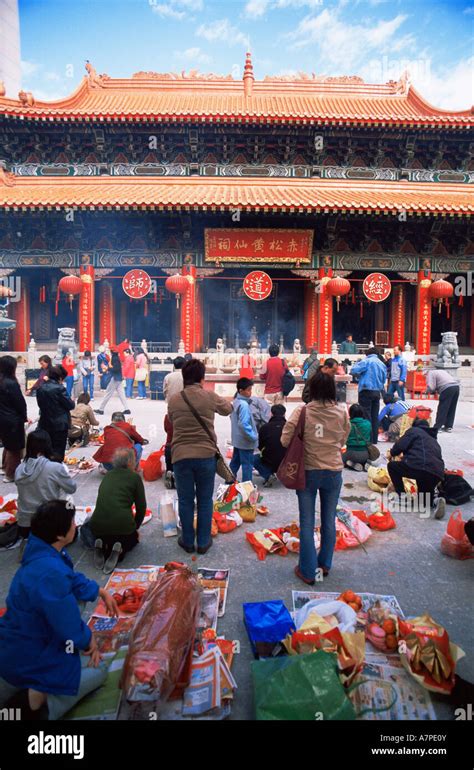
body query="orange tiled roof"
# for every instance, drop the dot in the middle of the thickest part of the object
(305, 195)
(164, 97)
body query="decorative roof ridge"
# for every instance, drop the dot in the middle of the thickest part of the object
(415, 98)
(7, 179)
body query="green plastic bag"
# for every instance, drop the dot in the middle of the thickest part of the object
(300, 687)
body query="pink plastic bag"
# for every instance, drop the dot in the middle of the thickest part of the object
(345, 538)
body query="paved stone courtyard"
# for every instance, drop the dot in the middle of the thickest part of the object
(406, 561)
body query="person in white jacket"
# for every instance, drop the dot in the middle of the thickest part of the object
(39, 479)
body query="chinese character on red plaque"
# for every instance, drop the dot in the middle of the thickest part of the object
(257, 285)
(377, 287)
(136, 284)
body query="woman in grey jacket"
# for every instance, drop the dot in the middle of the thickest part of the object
(39, 480)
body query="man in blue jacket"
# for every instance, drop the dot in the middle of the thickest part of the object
(42, 633)
(398, 373)
(372, 374)
(244, 434)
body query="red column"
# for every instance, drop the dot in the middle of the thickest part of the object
(86, 309)
(325, 313)
(106, 315)
(423, 314)
(310, 316)
(188, 310)
(397, 315)
(21, 314)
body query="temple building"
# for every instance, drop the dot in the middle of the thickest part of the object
(305, 179)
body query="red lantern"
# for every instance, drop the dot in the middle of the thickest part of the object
(441, 290)
(177, 284)
(337, 287)
(70, 285)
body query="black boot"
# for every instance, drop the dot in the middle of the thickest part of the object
(21, 701)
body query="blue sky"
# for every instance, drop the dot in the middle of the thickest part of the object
(375, 39)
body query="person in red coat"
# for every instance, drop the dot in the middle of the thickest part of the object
(272, 374)
(118, 435)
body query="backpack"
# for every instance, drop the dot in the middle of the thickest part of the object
(455, 489)
(288, 382)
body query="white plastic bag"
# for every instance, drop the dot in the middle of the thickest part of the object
(345, 615)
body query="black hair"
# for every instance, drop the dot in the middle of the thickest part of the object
(243, 383)
(388, 398)
(188, 357)
(83, 398)
(419, 423)
(322, 387)
(193, 372)
(57, 373)
(118, 417)
(38, 442)
(330, 362)
(371, 352)
(273, 350)
(278, 410)
(355, 410)
(87, 354)
(179, 362)
(349, 334)
(46, 360)
(52, 520)
(7, 368)
(116, 365)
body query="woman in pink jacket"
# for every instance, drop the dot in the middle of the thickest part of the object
(128, 371)
(141, 372)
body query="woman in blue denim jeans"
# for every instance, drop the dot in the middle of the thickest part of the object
(326, 430)
(193, 453)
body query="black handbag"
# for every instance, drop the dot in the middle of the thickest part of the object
(288, 382)
(222, 469)
(9, 534)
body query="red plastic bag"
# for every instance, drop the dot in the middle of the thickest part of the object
(382, 523)
(163, 636)
(419, 412)
(262, 552)
(223, 523)
(152, 467)
(455, 542)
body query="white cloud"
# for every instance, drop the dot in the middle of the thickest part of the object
(449, 88)
(343, 48)
(52, 76)
(51, 95)
(256, 8)
(29, 68)
(193, 55)
(469, 10)
(223, 31)
(176, 9)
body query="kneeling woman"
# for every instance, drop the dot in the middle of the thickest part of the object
(113, 529)
(42, 634)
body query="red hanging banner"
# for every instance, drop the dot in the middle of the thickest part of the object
(423, 335)
(136, 284)
(106, 331)
(324, 313)
(188, 310)
(311, 316)
(257, 285)
(376, 287)
(86, 309)
(398, 315)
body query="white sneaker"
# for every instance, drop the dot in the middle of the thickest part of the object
(350, 464)
(358, 467)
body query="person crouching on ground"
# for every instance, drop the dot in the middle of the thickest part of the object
(42, 634)
(112, 528)
(82, 419)
(119, 435)
(55, 407)
(269, 443)
(325, 433)
(357, 454)
(39, 479)
(244, 434)
(390, 417)
(423, 461)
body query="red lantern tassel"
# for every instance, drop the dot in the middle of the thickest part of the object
(57, 301)
(145, 312)
(461, 301)
(347, 298)
(353, 297)
(448, 315)
(361, 309)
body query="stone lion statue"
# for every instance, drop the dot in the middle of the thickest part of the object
(448, 350)
(66, 341)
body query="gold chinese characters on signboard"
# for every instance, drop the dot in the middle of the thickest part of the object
(257, 245)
